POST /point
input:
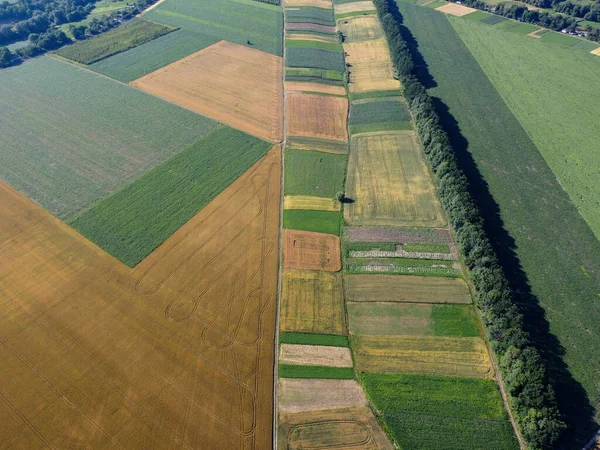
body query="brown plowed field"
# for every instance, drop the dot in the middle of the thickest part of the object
(237, 85)
(370, 66)
(176, 353)
(317, 116)
(311, 251)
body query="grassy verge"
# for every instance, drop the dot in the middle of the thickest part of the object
(330, 340)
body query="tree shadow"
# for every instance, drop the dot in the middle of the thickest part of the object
(574, 404)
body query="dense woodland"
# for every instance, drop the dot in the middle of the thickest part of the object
(38, 22)
(532, 398)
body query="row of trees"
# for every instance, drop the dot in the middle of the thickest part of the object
(532, 398)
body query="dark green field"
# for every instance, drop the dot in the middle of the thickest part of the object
(422, 411)
(314, 173)
(134, 221)
(537, 228)
(382, 115)
(319, 221)
(314, 58)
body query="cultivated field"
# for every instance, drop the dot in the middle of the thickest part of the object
(209, 83)
(345, 8)
(319, 145)
(361, 28)
(317, 116)
(298, 395)
(312, 302)
(320, 221)
(311, 203)
(74, 137)
(403, 235)
(355, 428)
(307, 26)
(314, 58)
(315, 355)
(314, 3)
(368, 116)
(316, 37)
(176, 353)
(370, 66)
(411, 289)
(389, 183)
(463, 356)
(310, 14)
(314, 173)
(422, 411)
(292, 86)
(311, 251)
(456, 10)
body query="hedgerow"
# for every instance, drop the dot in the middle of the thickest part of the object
(532, 399)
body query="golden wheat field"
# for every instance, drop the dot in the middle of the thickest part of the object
(315, 355)
(237, 85)
(311, 203)
(175, 353)
(389, 182)
(317, 116)
(370, 66)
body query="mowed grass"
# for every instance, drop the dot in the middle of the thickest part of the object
(536, 211)
(134, 221)
(429, 412)
(307, 220)
(314, 173)
(74, 137)
(316, 372)
(313, 339)
(146, 58)
(383, 115)
(314, 58)
(248, 23)
(117, 40)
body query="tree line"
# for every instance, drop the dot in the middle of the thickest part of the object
(531, 397)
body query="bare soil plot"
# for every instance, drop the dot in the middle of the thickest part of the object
(345, 8)
(315, 3)
(317, 116)
(315, 355)
(297, 395)
(337, 429)
(403, 235)
(311, 251)
(360, 28)
(405, 289)
(299, 86)
(312, 302)
(176, 353)
(311, 203)
(370, 66)
(455, 9)
(231, 83)
(462, 356)
(389, 182)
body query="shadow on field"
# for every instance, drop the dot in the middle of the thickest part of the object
(573, 401)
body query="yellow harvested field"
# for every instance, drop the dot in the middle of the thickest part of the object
(345, 8)
(463, 356)
(409, 289)
(360, 28)
(455, 9)
(316, 3)
(315, 355)
(210, 82)
(311, 302)
(175, 353)
(299, 35)
(297, 395)
(311, 203)
(311, 251)
(298, 86)
(389, 182)
(355, 428)
(596, 52)
(370, 66)
(319, 145)
(317, 116)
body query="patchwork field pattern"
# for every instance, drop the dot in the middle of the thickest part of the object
(311, 302)
(355, 428)
(209, 83)
(312, 251)
(370, 66)
(74, 137)
(389, 183)
(361, 28)
(175, 353)
(317, 116)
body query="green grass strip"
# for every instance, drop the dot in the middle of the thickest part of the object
(317, 372)
(319, 221)
(383, 126)
(429, 247)
(329, 340)
(314, 44)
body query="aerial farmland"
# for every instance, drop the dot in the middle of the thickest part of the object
(299, 224)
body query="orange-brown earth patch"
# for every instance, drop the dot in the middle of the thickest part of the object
(317, 116)
(310, 250)
(237, 85)
(175, 353)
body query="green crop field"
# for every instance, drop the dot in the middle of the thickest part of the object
(374, 95)
(383, 115)
(318, 372)
(320, 221)
(314, 173)
(74, 137)
(314, 58)
(558, 252)
(433, 247)
(134, 221)
(429, 412)
(153, 55)
(117, 40)
(492, 19)
(332, 77)
(253, 24)
(517, 27)
(355, 14)
(330, 340)
(332, 46)
(309, 14)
